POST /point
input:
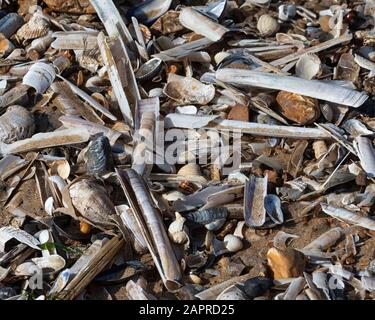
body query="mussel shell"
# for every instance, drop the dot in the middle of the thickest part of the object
(149, 70)
(237, 60)
(212, 219)
(69, 228)
(257, 286)
(99, 156)
(148, 11)
(272, 204)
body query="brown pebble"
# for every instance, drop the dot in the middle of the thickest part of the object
(239, 112)
(288, 263)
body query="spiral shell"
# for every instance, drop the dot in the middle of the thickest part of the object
(267, 25)
(16, 124)
(36, 27)
(99, 156)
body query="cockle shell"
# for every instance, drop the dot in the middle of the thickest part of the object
(91, 201)
(178, 231)
(190, 170)
(233, 243)
(36, 27)
(308, 66)
(16, 124)
(267, 25)
(300, 109)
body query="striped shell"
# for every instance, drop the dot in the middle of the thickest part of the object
(99, 156)
(37, 27)
(16, 124)
(267, 25)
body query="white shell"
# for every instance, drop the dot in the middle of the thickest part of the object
(308, 66)
(267, 25)
(287, 11)
(233, 243)
(177, 230)
(40, 77)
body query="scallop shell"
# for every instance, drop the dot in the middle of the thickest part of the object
(267, 25)
(16, 124)
(36, 27)
(92, 202)
(99, 156)
(233, 243)
(308, 66)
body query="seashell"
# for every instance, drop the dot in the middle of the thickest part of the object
(188, 187)
(320, 148)
(150, 10)
(168, 23)
(232, 293)
(187, 110)
(300, 109)
(308, 66)
(356, 128)
(347, 68)
(288, 263)
(194, 279)
(267, 25)
(272, 204)
(185, 90)
(40, 77)
(197, 260)
(10, 24)
(287, 11)
(88, 62)
(178, 231)
(60, 282)
(255, 193)
(213, 218)
(92, 202)
(7, 292)
(172, 196)
(50, 265)
(84, 227)
(258, 286)
(366, 153)
(202, 25)
(219, 57)
(99, 156)
(61, 168)
(233, 243)
(16, 123)
(190, 170)
(149, 70)
(36, 27)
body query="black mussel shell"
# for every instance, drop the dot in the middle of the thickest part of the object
(258, 286)
(149, 70)
(99, 156)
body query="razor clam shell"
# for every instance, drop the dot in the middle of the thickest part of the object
(308, 66)
(11, 164)
(150, 10)
(40, 77)
(92, 202)
(310, 88)
(75, 40)
(294, 288)
(99, 156)
(91, 101)
(326, 240)
(46, 140)
(255, 193)
(366, 154)
(364, 63)
(175, 120)
(73, 122)
(348, 216)
(152, 228)
(185, 90)
(10, 24)
(114, 73)
(200, 24)
(16, 124)
(356, 128)
(272, 204)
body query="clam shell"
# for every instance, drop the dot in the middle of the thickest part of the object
(233, 243)
(16, 124)
(99, 156)
(308, 66)
(267, 25)
(149, 70)
(190, 170)
(61, 168)
(92, 202)
(37, 27)
(50, 264)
